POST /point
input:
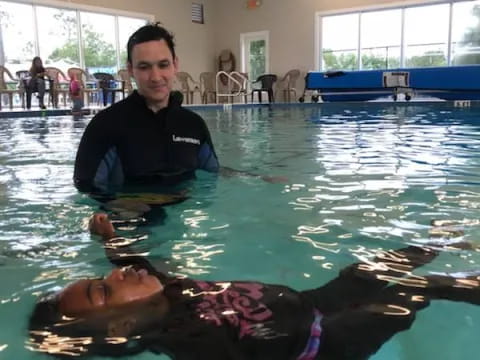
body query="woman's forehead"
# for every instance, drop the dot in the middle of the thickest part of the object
(75, 296)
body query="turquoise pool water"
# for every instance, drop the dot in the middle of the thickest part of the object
(360, 177)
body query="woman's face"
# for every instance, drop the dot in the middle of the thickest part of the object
(38, 62)
(120, 287)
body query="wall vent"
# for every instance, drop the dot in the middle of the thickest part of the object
(197, 13)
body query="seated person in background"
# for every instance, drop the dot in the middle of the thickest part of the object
(139, 308)
(36, 83)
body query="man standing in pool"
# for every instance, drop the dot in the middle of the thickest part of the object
(148, 138)
(139, 308)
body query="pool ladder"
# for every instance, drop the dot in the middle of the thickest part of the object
(242, 88)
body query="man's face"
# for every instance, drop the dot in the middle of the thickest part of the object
(119, 288)
(153, 68)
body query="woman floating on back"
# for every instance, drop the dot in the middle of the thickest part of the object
(137, 308)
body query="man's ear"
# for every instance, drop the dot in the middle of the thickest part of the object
(175, 64)
(130, 68)
(121, 327)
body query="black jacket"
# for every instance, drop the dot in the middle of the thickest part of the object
(128, 143)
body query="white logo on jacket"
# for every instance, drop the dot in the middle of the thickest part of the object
(185, 140)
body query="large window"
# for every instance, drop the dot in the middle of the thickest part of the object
(58, 37)
(381, 39)
(426, 35)
(411, 36)
(466, 33)
(64, 37)
(99, 45)
(340, 52)
(17, 36)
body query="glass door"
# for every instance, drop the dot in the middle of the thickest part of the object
(254, 50)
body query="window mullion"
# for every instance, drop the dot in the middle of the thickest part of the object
(80, 40)
(35, 31)
(117, 43)
(359, 42)
(402, 39)
(449, 43)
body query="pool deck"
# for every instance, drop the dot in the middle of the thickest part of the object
(23, 113)
(49, 112)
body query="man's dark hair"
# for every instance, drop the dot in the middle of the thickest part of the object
(150, 32)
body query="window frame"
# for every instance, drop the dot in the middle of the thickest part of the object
(319, 15)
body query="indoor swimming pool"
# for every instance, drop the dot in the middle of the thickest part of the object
(359, 177)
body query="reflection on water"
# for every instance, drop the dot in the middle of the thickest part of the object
(61, 345)
(361, 179)
(198, 259)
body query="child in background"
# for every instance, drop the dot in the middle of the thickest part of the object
(76, 95)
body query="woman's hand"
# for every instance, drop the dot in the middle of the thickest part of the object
(101, 225)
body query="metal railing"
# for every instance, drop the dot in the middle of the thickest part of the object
(231, 80)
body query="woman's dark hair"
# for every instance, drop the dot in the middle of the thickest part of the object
(150, 32)
(53, 333)
(63, 337)
(33, 68)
